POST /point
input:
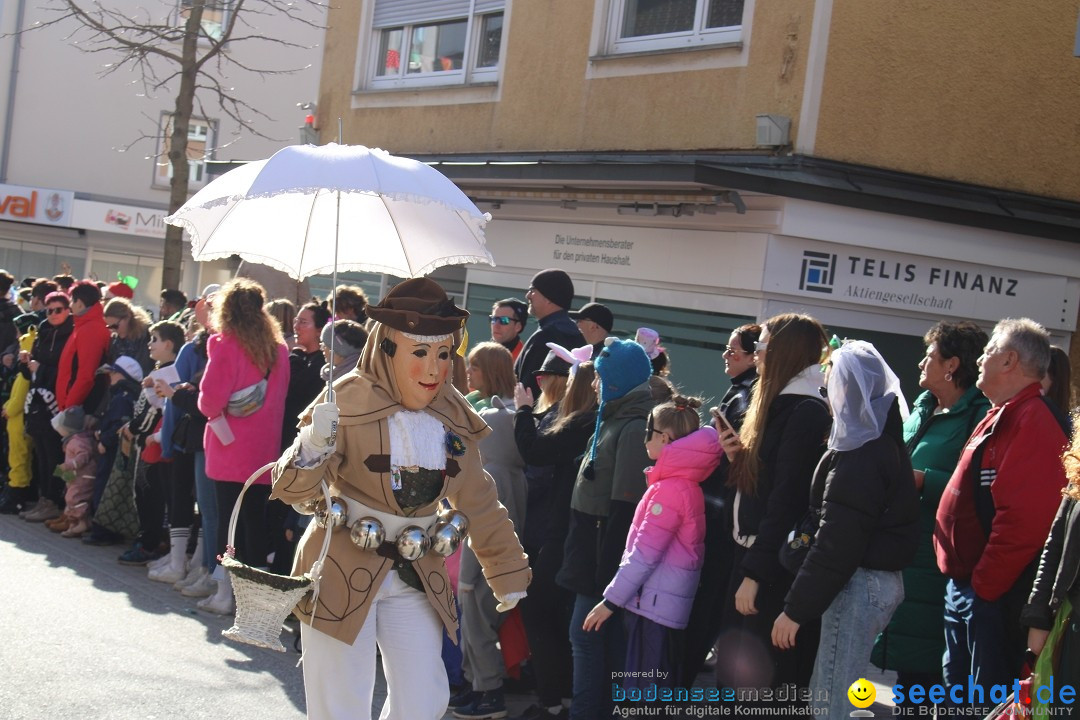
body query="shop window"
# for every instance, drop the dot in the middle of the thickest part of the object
(694, 341)
(214, 17)
(199, 150)
(482, 297)
(37, 259)
(649, 25)
(371, 283)
(902, 352)
(418, 43)
(109, 267)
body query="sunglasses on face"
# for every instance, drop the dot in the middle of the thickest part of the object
(732, 351)
(55, 310)
(650, 430)
(500, 320)
(760, 347)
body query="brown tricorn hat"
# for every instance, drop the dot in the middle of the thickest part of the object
(419, 306)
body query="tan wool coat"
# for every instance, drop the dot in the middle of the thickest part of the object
(360, 469)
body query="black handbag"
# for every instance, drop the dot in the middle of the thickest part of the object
(801, 538)
(188, 434)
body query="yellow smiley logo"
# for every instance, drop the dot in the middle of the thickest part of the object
(862, 693)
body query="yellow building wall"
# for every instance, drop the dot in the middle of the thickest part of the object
(548, 104)
(976, 91)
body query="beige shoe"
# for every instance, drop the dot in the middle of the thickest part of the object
(45, 510)
(76, 530)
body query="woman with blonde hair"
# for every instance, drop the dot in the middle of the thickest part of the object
(246, 350)
(130, 328)
(490, 371)
(773, 458)
(284, 312)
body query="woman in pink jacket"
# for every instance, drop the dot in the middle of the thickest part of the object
(658, 575)
(246, 349)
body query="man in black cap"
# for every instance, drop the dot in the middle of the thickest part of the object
(508, 318)
(595, 322)
(550, 295)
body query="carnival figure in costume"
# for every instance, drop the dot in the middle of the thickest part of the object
(395, 442)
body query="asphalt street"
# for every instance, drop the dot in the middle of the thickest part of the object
(85, 637)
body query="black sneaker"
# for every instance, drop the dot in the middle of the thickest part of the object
(489, 706)
(14, 499)
(463, 697)
(135, 555)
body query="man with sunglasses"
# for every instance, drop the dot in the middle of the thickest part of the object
(508, 318)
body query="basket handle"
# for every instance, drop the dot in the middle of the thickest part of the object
(230, 549)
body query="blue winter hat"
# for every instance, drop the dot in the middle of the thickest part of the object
(622, 365)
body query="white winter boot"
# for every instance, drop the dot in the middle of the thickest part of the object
(221, 602)
(175, 569)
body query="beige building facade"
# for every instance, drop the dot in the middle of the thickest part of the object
(697, 164)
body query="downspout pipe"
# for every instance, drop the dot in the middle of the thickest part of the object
(9, 112)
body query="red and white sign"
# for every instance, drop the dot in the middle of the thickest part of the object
(123, 219)
(19, 203)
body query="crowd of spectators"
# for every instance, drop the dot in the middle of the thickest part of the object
(811, 523)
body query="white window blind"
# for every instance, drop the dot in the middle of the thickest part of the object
(395, 13)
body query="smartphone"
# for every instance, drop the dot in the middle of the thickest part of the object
(721, 419)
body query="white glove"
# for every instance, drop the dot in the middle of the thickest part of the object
(508, 603)
(320, 436)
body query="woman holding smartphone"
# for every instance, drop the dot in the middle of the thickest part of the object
(773, 458)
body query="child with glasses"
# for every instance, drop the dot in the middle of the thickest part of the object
(658, 575)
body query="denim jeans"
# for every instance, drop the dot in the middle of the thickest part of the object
(597, 654)
(206, 497)
(977, 641)
(849, 626)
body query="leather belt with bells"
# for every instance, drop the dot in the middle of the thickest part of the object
(413, 537)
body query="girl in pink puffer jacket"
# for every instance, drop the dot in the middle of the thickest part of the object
(658, 575)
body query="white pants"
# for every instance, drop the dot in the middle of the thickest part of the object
(339, 679)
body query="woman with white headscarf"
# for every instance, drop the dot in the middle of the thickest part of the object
(866, 502)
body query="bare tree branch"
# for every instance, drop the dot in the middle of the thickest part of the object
(178, 53)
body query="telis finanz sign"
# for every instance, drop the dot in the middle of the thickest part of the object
(932, 286)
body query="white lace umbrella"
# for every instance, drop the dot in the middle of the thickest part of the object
(388, 214)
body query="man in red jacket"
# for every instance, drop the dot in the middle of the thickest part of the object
(996, 511)
(85, 350)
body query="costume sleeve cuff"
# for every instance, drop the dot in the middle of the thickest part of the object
(305, 458)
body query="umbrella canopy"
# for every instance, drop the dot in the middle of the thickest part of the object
(309, 210)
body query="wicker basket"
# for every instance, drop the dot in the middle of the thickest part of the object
(263, 599)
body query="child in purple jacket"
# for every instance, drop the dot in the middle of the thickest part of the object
(658, 575)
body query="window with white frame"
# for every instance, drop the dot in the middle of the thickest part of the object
(200, 146)
(215, 14)
(647, 25)
(435, 42)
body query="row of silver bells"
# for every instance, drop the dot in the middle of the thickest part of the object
(368, 533)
